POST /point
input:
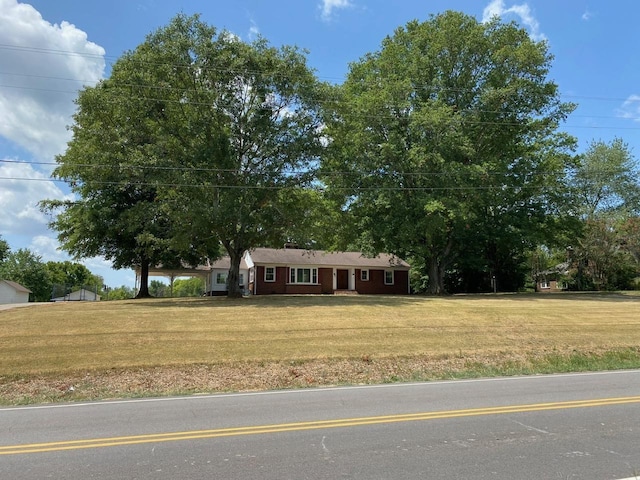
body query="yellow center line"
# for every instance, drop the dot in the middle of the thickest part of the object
(299, 426)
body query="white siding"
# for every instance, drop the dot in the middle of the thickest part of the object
(220, 285)
(9, 295)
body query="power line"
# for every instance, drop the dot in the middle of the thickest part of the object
(416, 86)
(51, 51)
(355, 189)
(434, 88)
(322, 174)
(355, 114)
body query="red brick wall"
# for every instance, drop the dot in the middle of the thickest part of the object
(376, 285)
(280, 286)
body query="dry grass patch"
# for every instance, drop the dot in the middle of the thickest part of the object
(214, 344)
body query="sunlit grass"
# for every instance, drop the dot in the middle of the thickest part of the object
(66, 337)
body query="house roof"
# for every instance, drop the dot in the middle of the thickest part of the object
(16, 286)
(221, 263)
(225, 262)
(294, 256)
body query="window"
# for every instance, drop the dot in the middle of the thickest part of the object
(241, 279)
(364, 275)
(221, 278)
(388, 277)
(303, 275)
(269, 274)
(544, 284)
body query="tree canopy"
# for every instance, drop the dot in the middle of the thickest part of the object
(605, 191)
(605, 181)
(445, 148)
(196, 140)
(4, 249)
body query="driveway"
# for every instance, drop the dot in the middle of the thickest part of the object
(9, 306)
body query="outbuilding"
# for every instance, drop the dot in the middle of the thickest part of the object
(12, 292)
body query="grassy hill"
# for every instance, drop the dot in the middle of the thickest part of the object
(70, 351)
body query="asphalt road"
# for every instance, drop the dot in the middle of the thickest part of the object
(543, 427)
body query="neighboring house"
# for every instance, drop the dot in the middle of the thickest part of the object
(216, 283)
(299, 271)
(12, 292)
(82, 295)
(550, 281)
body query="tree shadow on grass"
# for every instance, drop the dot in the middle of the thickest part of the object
(375, 301)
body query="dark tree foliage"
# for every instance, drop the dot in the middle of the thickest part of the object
(445, 150)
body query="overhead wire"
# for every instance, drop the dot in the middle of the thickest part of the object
(433, 88)
(230, 170)
(284, 187)
(212, 68)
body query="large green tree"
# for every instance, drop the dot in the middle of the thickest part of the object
(444, 146)
(116, 165)
(605, 189)
(67, 276)
(237, 134)
(606, 182)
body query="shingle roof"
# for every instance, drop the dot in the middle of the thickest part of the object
(293, 256)
(225, 262)
(16, 286)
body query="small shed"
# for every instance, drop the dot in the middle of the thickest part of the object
(12, 292)
(82, 295)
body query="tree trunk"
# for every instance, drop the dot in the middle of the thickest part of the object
(436, 277)
(143, 292)
(234, 290)
(436, 265)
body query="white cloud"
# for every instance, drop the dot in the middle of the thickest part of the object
(43, 67)
(587, 15)
(48, 248)
(328, 7)
(21, 188)
(497, 8)
(254, 31)
(630, 109)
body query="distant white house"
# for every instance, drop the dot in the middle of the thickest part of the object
(82, 295)
(12, 292)
(216, 283)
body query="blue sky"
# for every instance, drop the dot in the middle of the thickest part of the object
(50, 49)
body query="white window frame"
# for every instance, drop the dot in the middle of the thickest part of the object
(266, 274)
(393, 277)
(294, 273)
(364, 275)
(545, 284)
(220, 275)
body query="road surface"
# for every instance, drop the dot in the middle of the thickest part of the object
(584, 426)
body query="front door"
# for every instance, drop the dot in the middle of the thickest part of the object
(342, 280)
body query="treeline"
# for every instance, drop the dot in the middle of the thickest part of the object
(443, 147)
(26, 268)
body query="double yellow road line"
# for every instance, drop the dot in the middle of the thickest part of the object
(302, 426)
